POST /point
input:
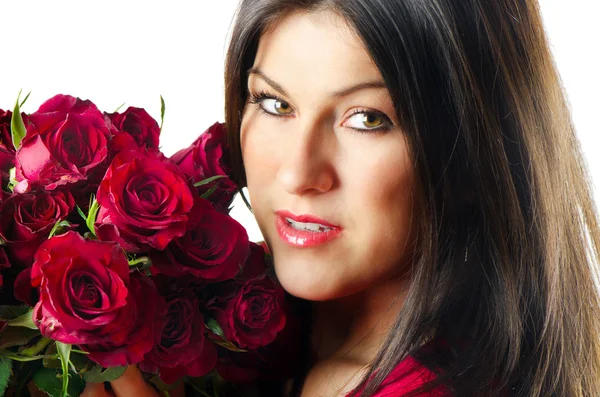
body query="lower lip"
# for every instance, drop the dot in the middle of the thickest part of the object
(303, 238)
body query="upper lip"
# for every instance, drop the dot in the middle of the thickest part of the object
(306, 218)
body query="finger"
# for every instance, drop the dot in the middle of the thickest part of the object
(132, 383)
(95, 390)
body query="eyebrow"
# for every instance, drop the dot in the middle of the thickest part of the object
(337, 94)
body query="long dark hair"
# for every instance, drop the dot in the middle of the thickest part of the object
(505, 273)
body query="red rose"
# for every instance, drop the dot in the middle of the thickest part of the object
(27, 219)
(256, 264)
(183, 349)
(87, 298)
(23, 290)
(133, 129)
(136, 332)
(83, 287)
(145, 201)
(214, 247)
(251, 312)
(208, 156)
(277, 361)
(65, 141)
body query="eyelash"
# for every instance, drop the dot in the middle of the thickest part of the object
(257, 98)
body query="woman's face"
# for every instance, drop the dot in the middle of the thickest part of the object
(328, 168)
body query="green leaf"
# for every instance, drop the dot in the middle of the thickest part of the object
(11, 312)
(59, 228)
(64, 352)
(25, 99)
(52, 360)
(214, 326)
(17, 126)
(92, 215)
(17, 336)
(81, 362)
(119, 108)
(209, 193)
(162, 112)
(5, 369)
(209, 180)
(49, 381)
(26, 320)
(81, 213)
(98, 374)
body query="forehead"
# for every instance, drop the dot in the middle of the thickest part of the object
(318, 45)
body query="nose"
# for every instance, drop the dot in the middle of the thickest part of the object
(306, 161)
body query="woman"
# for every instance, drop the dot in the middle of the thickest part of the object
(415, 172)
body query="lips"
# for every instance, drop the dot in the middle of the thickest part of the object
(303, 231)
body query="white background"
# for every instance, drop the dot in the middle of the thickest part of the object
(134, 51)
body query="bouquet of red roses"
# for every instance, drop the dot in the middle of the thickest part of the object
(112, 254)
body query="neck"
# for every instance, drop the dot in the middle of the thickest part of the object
(353, 328)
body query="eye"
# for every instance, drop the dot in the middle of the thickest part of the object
(368, 120)
(275, 106)
(270, 104)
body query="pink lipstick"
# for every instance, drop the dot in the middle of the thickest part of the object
(304, 231)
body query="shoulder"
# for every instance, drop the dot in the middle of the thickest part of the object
(409, 375)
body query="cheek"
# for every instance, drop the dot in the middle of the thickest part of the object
(383, 198)
(259, 152)
(261, 162)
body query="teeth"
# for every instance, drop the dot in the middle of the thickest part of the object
(313, 227)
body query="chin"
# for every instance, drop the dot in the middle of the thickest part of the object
(299, 280)
(309, 294)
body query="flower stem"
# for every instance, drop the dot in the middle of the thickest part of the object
(40, 345)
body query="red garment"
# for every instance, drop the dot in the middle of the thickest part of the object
(408, 376)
